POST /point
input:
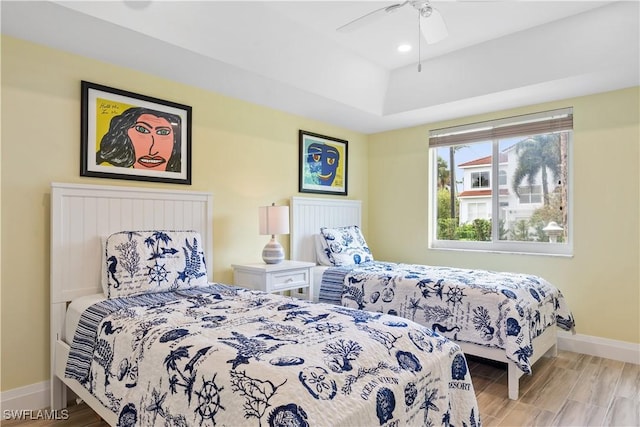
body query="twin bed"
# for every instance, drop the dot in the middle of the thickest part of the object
(140, 333)
(506, 317)
(168, 346)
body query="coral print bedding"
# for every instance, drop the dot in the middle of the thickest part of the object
(224, 356)
(500, 310)
(139, 262)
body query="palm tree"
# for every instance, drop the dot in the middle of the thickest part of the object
(537, 154)
(443, 173)
(452, 176)
(563, 178)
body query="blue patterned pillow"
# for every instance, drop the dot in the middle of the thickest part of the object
(140, 262)
(346, 245)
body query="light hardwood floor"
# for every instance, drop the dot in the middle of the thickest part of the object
(569, 390)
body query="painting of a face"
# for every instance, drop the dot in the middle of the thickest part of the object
(323, 162)
(152, 139)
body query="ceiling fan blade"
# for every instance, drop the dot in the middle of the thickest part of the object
(369, 17)
(433, 27)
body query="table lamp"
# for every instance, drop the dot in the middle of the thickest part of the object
(273, 220)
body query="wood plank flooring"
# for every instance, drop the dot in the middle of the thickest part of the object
(569, 390)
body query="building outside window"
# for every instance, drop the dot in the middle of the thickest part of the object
(533, 155)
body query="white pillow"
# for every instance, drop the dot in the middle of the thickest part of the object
(322, 250)
(140, 262)
(346, 245)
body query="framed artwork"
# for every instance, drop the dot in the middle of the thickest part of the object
(125, 135)
(323, 164)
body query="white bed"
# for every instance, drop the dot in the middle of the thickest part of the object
(388, 365)
(81, 217)
(308, 215)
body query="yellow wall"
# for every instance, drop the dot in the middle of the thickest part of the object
(602, 280)
(246, 155)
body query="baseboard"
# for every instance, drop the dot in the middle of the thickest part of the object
(36, 396)
(602, 347)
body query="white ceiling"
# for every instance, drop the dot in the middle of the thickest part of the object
(288, 55)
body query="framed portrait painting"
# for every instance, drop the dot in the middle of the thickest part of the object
(323, 164)
(125, 135)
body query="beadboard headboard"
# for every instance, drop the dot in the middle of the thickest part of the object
(83, 215)
(308, 215)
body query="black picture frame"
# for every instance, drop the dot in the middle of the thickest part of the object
(125, 135)
(323, 164)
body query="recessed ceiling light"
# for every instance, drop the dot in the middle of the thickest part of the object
(404, 48)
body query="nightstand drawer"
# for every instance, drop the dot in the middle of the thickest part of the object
(288, 279)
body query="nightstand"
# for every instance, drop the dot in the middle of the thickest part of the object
(284, 276)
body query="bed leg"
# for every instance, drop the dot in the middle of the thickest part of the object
(58, 388)
(514, 381)
(58, 394)
(553, 351)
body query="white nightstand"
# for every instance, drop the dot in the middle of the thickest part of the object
(284, 276)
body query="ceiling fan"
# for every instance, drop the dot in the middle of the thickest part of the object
(430, 22)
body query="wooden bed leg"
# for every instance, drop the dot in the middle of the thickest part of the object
(514, 381)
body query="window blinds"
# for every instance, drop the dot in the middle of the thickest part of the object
(531, 124)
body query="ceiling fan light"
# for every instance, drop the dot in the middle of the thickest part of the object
(433, 27)
(426, 10)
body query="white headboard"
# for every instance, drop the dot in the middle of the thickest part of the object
(308, 215)
(82, 215)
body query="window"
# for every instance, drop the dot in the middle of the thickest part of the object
(502, 177)
(530, 194)
(531, 156)
(479, 179)
(477, 210)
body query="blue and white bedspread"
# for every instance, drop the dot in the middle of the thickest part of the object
(222, 356)
(500, 310)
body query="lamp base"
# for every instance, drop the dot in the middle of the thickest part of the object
(273, 252)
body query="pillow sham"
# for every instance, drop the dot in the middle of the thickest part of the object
(322, 250)
(141, 262)
(347, 245)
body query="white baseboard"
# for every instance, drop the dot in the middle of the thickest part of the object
(36, 396)
(602, 347)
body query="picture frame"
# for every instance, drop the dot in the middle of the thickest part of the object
(323, 164)
(125, 135)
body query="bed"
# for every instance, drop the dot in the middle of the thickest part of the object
(506, 317)
(205, 353)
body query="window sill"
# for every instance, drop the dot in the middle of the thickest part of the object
(529, 249)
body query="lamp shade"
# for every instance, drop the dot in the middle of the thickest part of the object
(273, 219)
